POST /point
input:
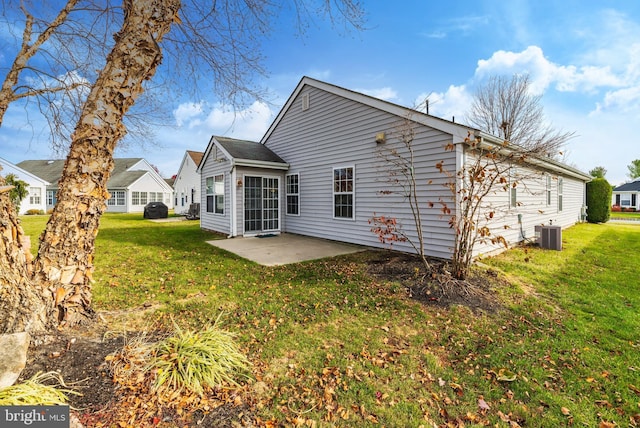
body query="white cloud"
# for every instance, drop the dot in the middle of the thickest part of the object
(188, 112)
(625, 101)
(249, 124)
(545, 73)
(452, 103)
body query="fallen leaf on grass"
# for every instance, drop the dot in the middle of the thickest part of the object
(505, 375)
(483, 404)
(565, 411)
(604, 424)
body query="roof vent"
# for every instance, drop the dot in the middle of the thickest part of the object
(49, 162)
(305, 102)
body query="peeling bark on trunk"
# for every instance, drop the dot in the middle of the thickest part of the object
(22, 304)
(64, 264)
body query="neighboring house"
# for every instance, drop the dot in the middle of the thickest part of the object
(186, 187)
(317, 172)
(132, 185)
(35, 200)
(627, 195)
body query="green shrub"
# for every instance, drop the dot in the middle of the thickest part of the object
(36, 391)
(194, 360)
(34, 211)
(598, 200)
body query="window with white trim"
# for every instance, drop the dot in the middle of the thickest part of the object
(513, 189)
(143, 198)
(343, 192)
(215, 194)
(625, 199)
(116, 199)
(135, 198)
(560, 192)
(35, 195)
(292, 190)
(51, 197)
(548, 189)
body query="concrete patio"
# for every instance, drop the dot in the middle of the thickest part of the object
(285, 248)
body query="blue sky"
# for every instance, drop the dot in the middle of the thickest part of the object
(582, 57)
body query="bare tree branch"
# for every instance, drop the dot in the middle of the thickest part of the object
(504, 107)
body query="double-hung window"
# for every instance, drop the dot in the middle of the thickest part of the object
(343, 192)
(513, 188)
(116, 199)
(548, 189)
(293, 194)
(215, 194)
(51, 197)
(560, 192)
(34, 195)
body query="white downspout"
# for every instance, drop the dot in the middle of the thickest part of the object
(233, 228)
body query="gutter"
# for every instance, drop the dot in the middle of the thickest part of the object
(490, 142)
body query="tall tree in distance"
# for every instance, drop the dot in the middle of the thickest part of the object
(634, 169)
(598, 172)
(505, 107)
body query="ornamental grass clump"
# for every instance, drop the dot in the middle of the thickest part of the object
(37, 390)
(194, 360)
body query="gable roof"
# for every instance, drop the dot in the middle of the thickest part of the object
(48, 170)
(634, 186)
(246, 153)
(457, 130)
(51, 171)
(195, 156)
(434, 122)
(10, 168)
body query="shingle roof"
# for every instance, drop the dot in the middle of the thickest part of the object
(48, 170)
(248, 150)
(51, 171)
(195, 156)
(634, 186)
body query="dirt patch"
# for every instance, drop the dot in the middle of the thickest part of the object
(437, 287)
(79, 359)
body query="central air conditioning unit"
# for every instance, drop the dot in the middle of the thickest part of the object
(549, 237)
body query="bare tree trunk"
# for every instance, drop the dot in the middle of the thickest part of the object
(22, 306)
(64, 264)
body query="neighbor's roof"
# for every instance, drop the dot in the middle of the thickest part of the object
(634, 186)
(243, 151)
(51, 171)
(196, 156)
(48, 170)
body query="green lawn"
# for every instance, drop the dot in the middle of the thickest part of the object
(332, 345)
(625, 215)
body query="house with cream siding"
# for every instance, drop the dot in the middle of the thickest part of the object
(132, 185)
(35, 199)
(186, 187)
(317, 171)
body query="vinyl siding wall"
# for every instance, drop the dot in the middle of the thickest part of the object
(214, 165)
(146, 184)
(337, 132)
(186, 180)
(531, 191)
